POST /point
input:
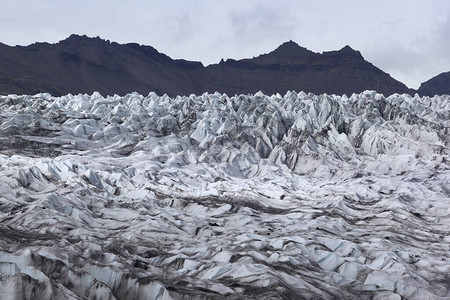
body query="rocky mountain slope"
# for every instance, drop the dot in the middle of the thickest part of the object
(438, 85)
(291, 67)
(216, 197)
(81, 64)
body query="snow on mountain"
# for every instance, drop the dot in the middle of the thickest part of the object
(302, 195)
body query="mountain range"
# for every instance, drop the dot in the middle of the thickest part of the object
(80, 64)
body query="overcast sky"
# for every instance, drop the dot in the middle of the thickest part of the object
(409, 39)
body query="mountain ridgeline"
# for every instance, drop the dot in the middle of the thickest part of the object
(80, 64)
(438, 85)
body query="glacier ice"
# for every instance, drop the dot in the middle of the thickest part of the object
(211, 196)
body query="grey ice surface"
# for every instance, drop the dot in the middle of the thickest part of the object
(298, 196)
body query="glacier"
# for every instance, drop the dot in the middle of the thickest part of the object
(211, 197)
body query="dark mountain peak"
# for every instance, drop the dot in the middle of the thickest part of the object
(437, 85)
(76, 38)
(290, 48)
(289, 45)
(83, 40)
(350, 51)
(347, 48)
(288, 53)
(345, 51)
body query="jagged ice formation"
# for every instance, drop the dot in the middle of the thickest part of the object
(295, 196)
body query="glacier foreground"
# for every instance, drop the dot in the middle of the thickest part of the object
(298, 196)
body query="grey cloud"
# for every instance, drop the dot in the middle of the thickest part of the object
(443, 40)
(259, 24)
(400, 62)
